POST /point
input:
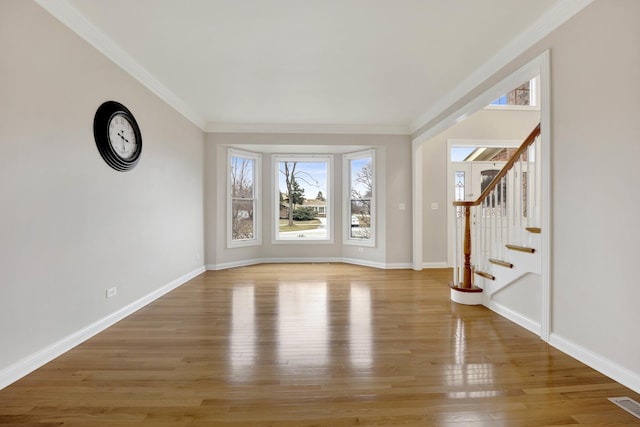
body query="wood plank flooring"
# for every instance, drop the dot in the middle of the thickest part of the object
(314, 345)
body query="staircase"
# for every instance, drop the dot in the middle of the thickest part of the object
(498, 236)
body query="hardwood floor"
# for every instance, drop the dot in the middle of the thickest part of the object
(314, 345)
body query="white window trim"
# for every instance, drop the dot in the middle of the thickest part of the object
(276, 159)
(257, 191)
(346, 190)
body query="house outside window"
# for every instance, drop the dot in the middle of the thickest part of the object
(523, 96)
(302, 194)
(243, 189)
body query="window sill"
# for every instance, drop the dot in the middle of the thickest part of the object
(513, 107)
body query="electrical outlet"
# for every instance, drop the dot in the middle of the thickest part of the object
(112, 292)
(360, 249)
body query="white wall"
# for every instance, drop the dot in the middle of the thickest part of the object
(595, 148)
(394, 187)
(70, 226)
(595, 154)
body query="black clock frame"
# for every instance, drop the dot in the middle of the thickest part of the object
(101, 134)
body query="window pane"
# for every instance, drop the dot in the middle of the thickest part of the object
(518, 96)
(302, 196)
(361, 219)
(361, 178)
(361, 189)
(242, 177)
(460, 185)
(243, 213)
(242, 219)
(459, 154)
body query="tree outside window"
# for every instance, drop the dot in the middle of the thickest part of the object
(302, 194)
(361, 188)
(242, 197)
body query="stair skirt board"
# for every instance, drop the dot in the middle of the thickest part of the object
(529, 324)
(492, 287)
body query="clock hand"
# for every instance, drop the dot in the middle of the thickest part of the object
(122, 136)
(124, 140)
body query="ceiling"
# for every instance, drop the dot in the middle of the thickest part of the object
(384, 66)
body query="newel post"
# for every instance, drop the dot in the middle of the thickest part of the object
(464, 292)
(466, 283)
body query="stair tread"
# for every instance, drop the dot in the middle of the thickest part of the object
(501, 262)
(485, 275)
(521, 248)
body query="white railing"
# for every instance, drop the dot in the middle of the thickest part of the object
(505, 213)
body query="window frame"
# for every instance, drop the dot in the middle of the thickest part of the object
(347, 184)
(313, 158)
(257, 191)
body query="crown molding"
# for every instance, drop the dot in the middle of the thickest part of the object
(555, 17)
(64, 11)
(74, 20)
(307, 128)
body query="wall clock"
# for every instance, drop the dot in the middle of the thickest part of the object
(117, 136)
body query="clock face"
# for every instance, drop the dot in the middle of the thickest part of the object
(117, 136)
(122, 136)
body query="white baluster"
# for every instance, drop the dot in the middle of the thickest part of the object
(538, 194)
(519, 201)
(503, 214)
(530, 187)
(485, 226)
(494, 222)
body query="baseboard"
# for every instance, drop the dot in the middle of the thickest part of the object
(517, 318)
(364, 263)
(310, 260)
(234, 264)
(601, 364)
(32, 362)
(441, 264)
(398, 266)
(256, 261)
(314, 260)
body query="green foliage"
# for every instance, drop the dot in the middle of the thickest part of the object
(297, 192)
(304, 214)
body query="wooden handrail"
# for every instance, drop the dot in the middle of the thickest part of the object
(466, 284)
(507, 167)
